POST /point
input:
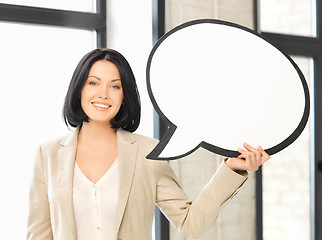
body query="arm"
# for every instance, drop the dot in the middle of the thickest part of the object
(194, 219)
(39, 225)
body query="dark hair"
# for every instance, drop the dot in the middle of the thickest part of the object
(129, 114)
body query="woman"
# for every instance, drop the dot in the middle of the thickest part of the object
(96, 183)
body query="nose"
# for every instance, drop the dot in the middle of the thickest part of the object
(103, 93)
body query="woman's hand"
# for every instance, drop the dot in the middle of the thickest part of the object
(249, 159)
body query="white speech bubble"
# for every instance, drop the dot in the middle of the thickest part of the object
(217, 85)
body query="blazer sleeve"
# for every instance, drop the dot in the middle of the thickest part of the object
(39, 225)
(194, 219)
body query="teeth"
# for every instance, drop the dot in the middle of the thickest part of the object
(100, 105)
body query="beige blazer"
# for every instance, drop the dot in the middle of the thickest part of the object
(142, 184)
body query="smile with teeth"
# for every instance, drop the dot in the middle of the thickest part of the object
(101, 106)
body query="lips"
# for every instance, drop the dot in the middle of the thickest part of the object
(101, 106)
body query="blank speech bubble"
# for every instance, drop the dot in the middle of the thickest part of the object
(217, 85)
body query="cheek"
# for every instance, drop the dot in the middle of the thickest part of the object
(82, 99)
(121, 100)
(121, 96)
(85, 96)
(83, 106)
(117, 96)
(83, 93)
(87, 93)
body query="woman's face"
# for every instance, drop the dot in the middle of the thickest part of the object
(102, 94)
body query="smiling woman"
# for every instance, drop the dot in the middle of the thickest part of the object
(103, 76)
(102, 91)
(102, 165)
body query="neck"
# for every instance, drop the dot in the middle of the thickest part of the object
(94, 132)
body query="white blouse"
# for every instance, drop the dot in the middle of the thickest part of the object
(95, 205)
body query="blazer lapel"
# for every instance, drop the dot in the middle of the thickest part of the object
(127, 152)
(66, 160)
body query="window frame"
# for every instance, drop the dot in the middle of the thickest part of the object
(162, 227)
(63, 18)
(305, 47)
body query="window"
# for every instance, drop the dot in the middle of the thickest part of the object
(289, 200)
(73, 5)
(286, 183)
(38, 56)
(294, 17)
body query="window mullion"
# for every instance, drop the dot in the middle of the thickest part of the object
(25, 14)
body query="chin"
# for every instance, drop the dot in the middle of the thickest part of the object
(100, 121)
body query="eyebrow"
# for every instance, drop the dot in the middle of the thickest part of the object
(114, 80)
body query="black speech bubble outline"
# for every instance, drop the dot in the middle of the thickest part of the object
(154, 154)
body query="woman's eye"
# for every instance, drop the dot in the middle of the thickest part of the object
(115, 87)
(93, 83)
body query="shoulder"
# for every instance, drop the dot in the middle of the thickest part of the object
(53, 145)
(143, 145)
(137, 138)
(145, 140)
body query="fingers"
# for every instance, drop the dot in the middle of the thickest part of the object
(265, 155)
(249, 147)
(251, 160)
(255, 152)
(254, 157)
